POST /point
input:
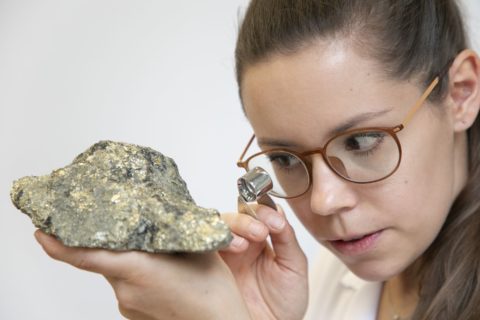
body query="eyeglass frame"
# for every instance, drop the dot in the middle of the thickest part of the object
(392, 131)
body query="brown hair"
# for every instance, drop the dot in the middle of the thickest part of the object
(411, 39)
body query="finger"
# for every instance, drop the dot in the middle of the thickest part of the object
(245, 242)
(237, 245)
(284, 242)
(273, 219)
(246, 227)
(237, 261)
(108, 263)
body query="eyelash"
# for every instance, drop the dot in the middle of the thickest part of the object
(273, 158)
(379, 138)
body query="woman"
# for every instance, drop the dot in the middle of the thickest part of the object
(365, 112)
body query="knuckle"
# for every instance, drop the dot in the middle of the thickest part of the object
(83, 262)
(238, 244)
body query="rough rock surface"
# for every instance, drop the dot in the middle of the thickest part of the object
(120, 196)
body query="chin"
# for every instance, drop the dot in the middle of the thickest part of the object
(376, 271)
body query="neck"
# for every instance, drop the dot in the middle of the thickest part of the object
(400, 295)
(404, 294)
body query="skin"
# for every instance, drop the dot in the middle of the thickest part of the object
(297, 100)
(319, 88)
(158, 286)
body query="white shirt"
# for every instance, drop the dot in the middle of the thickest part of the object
(337, 294)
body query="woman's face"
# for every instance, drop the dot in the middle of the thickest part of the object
(297, 101)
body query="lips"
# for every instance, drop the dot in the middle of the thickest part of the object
(356, 244)
(352, 238)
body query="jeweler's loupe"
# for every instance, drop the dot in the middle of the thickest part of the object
(254, 186)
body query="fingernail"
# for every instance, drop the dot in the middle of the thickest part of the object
(39, 236)
(276, 222)
(257, 229)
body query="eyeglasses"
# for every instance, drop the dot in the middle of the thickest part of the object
(361, 156)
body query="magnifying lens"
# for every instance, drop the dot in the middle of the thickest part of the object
(254, 186)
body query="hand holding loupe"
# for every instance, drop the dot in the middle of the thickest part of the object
(254, 186)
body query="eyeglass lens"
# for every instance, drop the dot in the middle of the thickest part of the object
(362, 156)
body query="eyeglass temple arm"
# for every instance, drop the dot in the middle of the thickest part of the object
(427, 92)
(240, 160)
(420, 101)
(404, 124)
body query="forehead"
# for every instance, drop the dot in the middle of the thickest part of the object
(315, 88)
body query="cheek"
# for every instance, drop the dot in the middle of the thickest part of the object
(301, 209)
(298, 206)
(317, 225)
(416, 201)
(422, 187)
(417, 206)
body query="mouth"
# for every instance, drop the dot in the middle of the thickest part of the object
(357, 244)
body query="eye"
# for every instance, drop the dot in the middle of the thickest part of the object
(364, 142)
(284, 160)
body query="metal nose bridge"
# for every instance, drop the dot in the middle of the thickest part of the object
(334, 163)
(306, 158)
(314, 151)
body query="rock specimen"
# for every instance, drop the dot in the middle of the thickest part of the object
(120, 196)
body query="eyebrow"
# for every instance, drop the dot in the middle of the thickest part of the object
(349, 124)
(358, 119)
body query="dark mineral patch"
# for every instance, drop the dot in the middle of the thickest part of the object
(120, 196)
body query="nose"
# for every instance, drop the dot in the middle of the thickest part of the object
(330, 194)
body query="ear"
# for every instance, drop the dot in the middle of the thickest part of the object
(464, 89)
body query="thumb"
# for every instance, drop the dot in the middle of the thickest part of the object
(108, 263)
(284, 241)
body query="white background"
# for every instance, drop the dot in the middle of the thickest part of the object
(156, 73)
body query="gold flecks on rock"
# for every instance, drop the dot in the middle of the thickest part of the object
(122, 197)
